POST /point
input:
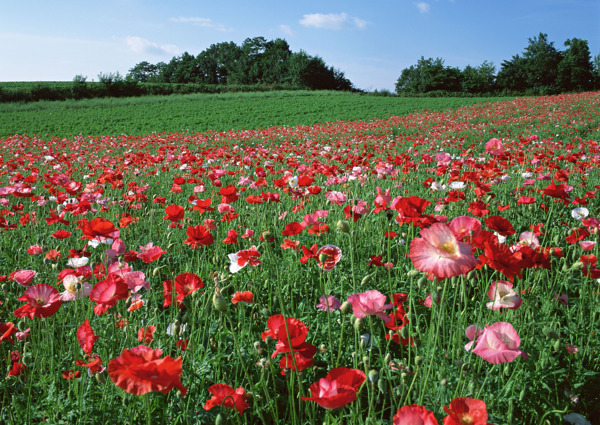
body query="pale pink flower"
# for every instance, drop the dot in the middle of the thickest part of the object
(499, 343)
(24, 277)
(209, 223)
(443, 158)
(414, 415)
(571, 349)
(438, 253)
(529, 239)
(587, 245)
(465, 228)
(248, 234)
(337, 198)
(328, 303)
(472, 332)
(503, 295)
(383, 198)
(494, 147)
(223, 208)
(370, 303)
(75, 288)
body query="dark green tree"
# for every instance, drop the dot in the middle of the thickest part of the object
(217, 63)
(575, 70)
(512, 76)
(429, 75)
(541, 61)
(480, 79)
(144, 72)
(274, 62)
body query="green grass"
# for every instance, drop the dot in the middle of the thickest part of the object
(203, 112)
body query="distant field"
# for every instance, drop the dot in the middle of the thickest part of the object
(202, 112)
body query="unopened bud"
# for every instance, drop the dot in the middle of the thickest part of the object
(550, 333)
(412, 273)
(366, 280)
(343, 226)
(418, 360)
(346, 307)
(219, 301)
(373, 376)
(358, 324)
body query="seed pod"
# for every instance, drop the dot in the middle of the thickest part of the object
(373, 376)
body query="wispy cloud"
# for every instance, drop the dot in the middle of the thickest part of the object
(201, 22)
(286, 29)
(331, 21)
(423, 6)
(141, 45)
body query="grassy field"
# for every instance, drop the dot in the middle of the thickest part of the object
(203, 112)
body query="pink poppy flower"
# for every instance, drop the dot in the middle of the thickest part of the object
(369, 303)
(328, 303)
(414, 415)
(503, 295)
(42, 301)
(465, 228)
(571, 349)
(587, 245)
(472, 332)
(438, 253)
(75, 288)
(494, 147)
(337, 389)
(328, 256)
(337, 198)
(24, 277)
(499, 343)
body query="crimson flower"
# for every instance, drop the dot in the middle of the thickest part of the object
(174, 213)
(224, 395)
(500, 224)
(141, 369)
(179, 288)
(86, 337)
(99, 228)
(291, 335)
(61, 234)
(7, 330)
(240, 259)
(245, 296)
(465, 410)
(146, 334)
(292, 229)
(308, 253)
(42, 301)
(198, 236)
(337, 389)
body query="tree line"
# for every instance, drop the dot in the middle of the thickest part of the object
(255, 62)
(540, 69)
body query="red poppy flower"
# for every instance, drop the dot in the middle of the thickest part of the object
(224, 395)
(16, 369)
(61, 234)
(254, 199)
(465, 410)
(291, 336)
(231, 238)
(150, 253)
(71, 374)
(228, 194)
(500, 224)
(146, 334)
(141, 370)
(308, 253)
(86, 337)
(202, 205)
(292, 229)
(337, 389)
(179, 288)
(198, 236)
(328, 256)
(174, 213)
(499, 257)
(7, 330)
(245, 296)
(99, 227)
(107, 292)
(42, 301)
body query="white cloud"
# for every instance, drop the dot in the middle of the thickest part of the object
(201, 22)
(286, 29)
(141, 45)
(331, 21)
(423, 7)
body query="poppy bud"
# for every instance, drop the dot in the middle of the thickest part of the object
(224, 279)
(418, 360)
(219, 301)
(522, 394)
(578, 265)
(220, 420)
(343, 227)
(323, 258)
(388, 358)
(366, 280)
(346, 307)
(550, 333)
(412, 273)
(418, 343)
(557, 345)
(404, 332)
(421, 282)
(373, 376)
(444, 382)
(358, 324)
(382, 385)
(100, 378)
(436, 298)
(322, 348)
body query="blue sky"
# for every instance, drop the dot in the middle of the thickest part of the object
(370, 41)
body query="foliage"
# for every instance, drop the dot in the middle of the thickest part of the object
(202, 112)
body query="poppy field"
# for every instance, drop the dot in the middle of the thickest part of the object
(435, 268)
